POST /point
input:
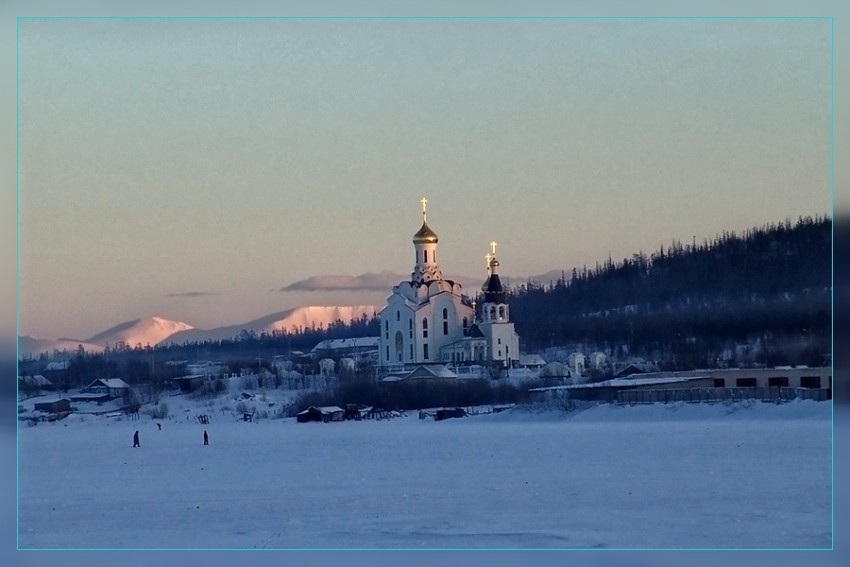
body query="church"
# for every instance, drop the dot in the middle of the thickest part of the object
(428, 319)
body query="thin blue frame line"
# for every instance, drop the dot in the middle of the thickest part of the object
(17, 274)
(544, 549)
(425, 17)
(832, 253)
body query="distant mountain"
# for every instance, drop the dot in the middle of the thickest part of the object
(300, 317)
(147, 331)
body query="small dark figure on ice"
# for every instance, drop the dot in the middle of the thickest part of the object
(206, 438)
(136, 439)
(159, 426)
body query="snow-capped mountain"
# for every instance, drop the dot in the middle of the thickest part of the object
(158, 330)
(289, 320)
(147, 331)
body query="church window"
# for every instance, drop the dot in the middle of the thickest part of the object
(499, 341)
(465, 327)
(426, 256)
(425, 351)
(445, 327)
(410, 327)
(411, 352)
(501, 312)
(388, 353)
(425, 328)
(445, 313)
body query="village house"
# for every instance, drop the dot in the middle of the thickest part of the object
(103, 389)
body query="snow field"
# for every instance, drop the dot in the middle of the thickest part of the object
(687, 476)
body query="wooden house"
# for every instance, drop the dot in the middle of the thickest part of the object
(111, 387)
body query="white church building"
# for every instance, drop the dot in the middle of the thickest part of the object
(428, 319)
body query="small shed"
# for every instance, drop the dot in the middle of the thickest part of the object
(189, 383)
(533, 361)
(54, 406)
(323, 414)
(448, 413)
(356, 411)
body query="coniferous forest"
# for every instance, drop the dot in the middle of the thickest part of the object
(763, 297)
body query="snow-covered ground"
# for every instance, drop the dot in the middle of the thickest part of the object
(662, 476)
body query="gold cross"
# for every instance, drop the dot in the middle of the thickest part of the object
(424, 202)
(493, 244)
(487, 258)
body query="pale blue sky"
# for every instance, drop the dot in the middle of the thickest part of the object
(235, 157)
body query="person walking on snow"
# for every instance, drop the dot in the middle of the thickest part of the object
(206, 438)
(136, 439)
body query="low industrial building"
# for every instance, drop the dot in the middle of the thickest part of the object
(700, 386)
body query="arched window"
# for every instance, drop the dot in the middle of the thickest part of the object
(410, 328)
(465, 323)
(426, 256)
(445, 327)
(445, 313)
(501, 312)
(398, 315)
(425, 328)
(399, 344)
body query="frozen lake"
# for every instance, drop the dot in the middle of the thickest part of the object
(657, 476)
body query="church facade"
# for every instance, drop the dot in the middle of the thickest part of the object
(428, 319)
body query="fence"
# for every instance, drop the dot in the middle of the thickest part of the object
(695, 395)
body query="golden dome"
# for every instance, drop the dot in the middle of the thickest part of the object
(425, 235)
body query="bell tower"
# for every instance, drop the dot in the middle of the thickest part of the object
(495, 321)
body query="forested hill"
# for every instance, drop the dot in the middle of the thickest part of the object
(771, 282)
